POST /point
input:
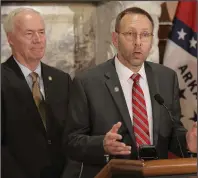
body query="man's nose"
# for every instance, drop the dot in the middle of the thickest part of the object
(37, 37)
(138, 40)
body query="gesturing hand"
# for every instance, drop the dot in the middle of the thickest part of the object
(191, 138)
(111, 144)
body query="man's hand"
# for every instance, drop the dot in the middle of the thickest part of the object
(111, 144)
(191, 138)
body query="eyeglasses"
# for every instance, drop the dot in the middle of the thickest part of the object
(131, 36)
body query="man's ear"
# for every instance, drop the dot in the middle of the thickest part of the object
(115, 39)
(10, 38)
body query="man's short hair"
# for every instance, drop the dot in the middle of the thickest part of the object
(131, 10)
(8, 23)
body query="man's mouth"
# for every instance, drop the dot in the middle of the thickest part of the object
(137, 52)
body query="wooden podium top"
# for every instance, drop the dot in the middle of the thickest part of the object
(150, 168)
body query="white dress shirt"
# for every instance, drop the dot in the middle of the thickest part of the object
(26, 72)
(126, 82)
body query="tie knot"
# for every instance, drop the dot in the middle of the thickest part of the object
(34, 76)
(135, 77)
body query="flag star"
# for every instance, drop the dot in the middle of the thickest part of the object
(181, 93)
(181, 115)
(193, 43)
(182, 34)
(194, 118)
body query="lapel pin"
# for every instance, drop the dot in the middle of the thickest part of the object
(116, 89)
(50, 78)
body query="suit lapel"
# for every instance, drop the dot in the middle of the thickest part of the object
(153, 89)
(20, 82)
(115, 89)
(24, 94)
(49, 95)
(47, 80)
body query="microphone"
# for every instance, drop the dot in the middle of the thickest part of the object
(160, 100)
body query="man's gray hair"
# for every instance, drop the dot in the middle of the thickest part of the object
(8, 23)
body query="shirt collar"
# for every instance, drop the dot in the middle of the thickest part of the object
(26, 71)
(125, 73)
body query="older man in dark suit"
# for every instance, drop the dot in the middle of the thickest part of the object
(112, 108)
(34, 102)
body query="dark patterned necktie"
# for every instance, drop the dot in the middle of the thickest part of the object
(38, 97)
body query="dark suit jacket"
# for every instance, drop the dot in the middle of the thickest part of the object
(28, 151)
(95, 106)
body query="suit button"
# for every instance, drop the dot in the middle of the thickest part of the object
(49, 142)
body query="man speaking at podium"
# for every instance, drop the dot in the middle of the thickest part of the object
(126, 102)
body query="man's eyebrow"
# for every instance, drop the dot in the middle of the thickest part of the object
(42, 29)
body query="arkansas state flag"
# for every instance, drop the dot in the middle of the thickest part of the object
(181, 56)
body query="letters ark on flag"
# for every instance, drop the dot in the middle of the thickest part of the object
(181, 56)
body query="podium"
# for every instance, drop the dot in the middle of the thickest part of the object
(118, 168)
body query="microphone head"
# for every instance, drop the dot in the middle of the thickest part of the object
(159, 99)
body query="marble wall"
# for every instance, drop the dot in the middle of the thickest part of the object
(79, 34)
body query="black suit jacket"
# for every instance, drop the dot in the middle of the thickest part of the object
(95, 106)
(28, 151)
